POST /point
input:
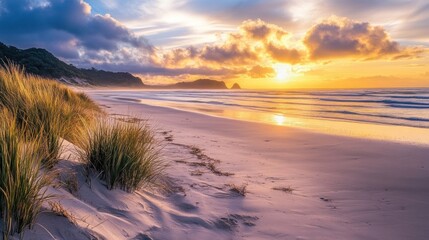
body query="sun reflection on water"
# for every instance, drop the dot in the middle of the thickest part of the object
(337, 127)
(279, 119)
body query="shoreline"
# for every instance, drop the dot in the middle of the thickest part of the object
(406, 134)
(343, 187)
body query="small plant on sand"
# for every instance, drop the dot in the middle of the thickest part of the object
(59, 210)
(196, 151)
(124, 154)
(284, 189)
(239, 189)
(70, 182)
(22, 183)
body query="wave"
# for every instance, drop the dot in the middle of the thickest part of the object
(418, 119)
(392, 107)
(387, 102)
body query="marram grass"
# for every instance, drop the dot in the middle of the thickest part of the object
(125, 154)
(45, 108)
(22, 182)
(37, 114)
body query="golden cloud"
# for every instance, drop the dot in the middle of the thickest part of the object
(344, 38)
(285, 54)
(261, 72)
(257, 45)
(260, 30)
(255, 42)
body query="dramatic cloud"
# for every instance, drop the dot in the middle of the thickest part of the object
(197, 38)
(344, 38)
(255, 41)
(66, 27)
(257, 45)
(249, 51)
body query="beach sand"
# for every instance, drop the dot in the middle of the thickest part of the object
(300, 185)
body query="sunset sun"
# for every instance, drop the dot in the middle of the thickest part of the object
(283, 72)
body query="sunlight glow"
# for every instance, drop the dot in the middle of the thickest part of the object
(283, 72)
(279, 119)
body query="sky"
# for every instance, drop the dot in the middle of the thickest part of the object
(270, 44)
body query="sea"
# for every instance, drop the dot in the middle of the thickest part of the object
(380, 114)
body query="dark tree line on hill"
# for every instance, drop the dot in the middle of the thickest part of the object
(41, 62)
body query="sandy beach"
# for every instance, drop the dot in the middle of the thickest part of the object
(300, 185)
(202, 119)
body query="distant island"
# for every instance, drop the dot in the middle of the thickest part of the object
(235, 86)
(197, 84)
(39, 61)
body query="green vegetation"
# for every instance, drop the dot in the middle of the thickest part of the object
(124, 153)
(45, 108)
(38, 115)
(42, 63)
(21, 179)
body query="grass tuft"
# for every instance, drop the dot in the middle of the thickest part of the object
(37, 114)
(45, 108)
(284, 189)
(124, 154)
(22, 182)
(59, 210)
(238, 189)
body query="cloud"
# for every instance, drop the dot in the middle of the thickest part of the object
(417, 24)
(233, 52)
(260, 30)
(284, 54)
(254, 41)
(65, 27)
(344, 38)
(261, 72)
(249, 51)
(87, 36)
(257, 45)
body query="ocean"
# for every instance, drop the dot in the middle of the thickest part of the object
(386, 114)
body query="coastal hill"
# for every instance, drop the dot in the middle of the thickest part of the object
(40, 62)
(197, 84)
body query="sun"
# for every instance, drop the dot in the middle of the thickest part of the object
(279, 119)
(283, 72)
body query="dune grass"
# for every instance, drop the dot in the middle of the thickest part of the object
(125, 154)
(22, 181)
(238, 189)
(37, 114)
(45, 108)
